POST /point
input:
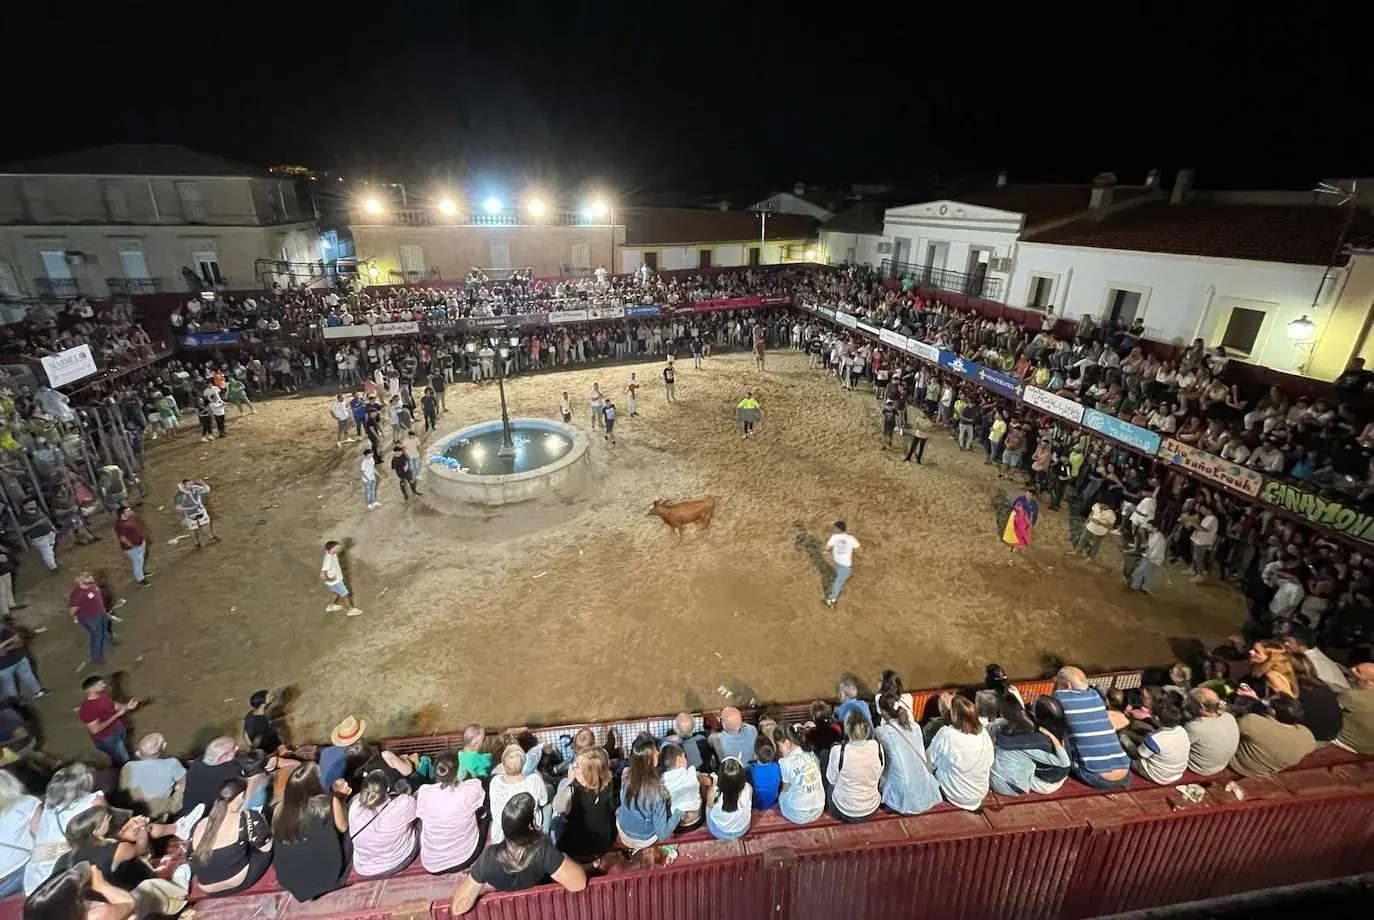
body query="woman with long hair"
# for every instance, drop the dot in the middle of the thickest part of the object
(69, 793)
(17, 811)
(854, 770)
(72, 895)
(890, 684)
(525, 857)
(1027, 757)
(1321, 708)
(588, 830)
(231, 847)
(961, 755)
(801, 794)
(310, 828)
(1271, 670)
(117, 846)
(509, 781)
(382, 818)
(729, 801)
(645, 815)
(450, 834)
(908, 785)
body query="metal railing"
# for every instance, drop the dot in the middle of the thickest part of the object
(130, 286)
(59, 288)
(507, 217)
(944, 279)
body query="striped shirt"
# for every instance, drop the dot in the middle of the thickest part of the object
(1095, 746)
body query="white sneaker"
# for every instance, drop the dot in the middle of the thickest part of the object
(375, 505)
(354, 612)
(333, 608)
(184, 825)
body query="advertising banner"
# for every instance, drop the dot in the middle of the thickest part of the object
(923, 350)
(775, 300)
(831, 314)
(1003, 383)
(201, 339)
(568, 316)
(605, 312)
(952, 362)
(727, 303)
(892, 338)
(70, 365)
(410, 328)
(1142, 439)
(531, 319)
(846, 320)
(867, 329)
(1210, 466)
(1332, 513)
(489, 322)
(642, 309)
(333, 332)
(1053, 404)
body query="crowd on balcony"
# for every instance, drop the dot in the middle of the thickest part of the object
(111, 330)
(509, 812)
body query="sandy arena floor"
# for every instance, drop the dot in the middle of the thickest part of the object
(591, 609)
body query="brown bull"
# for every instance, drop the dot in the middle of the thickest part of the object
(679, 514)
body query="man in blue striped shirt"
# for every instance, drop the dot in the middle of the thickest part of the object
(1098, 759)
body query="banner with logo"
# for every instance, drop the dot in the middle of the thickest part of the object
(923, 350)
(1054, 404)
(410, 328)
(1003, 383)
(1331, 513)
(70, 365)
(846, 320)
(892, 338)
(727, 303)
(568, 316)
(642, 309)
(605, 312)
(831, 314)
(867, 329)
(952, 362)
(1210, 466)
(202, 339)
(1142, 439)
(775, 300)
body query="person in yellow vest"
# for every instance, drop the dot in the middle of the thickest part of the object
(748, 412)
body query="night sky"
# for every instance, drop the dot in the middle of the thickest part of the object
(643, 99)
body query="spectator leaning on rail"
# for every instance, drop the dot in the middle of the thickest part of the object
(1098, 759)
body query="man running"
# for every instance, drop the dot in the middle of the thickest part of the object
(841, 545)
(670, 381)
(748, 412)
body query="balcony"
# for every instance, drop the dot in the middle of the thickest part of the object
(507, 217)
(57, 288)
(943, 279)
(129, 286)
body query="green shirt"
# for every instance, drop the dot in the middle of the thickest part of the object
(475, 763)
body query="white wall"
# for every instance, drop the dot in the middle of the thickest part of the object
(958, 229)
(728, 255)
(835, 248)
(1181, 296)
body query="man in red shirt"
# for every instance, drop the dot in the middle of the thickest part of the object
(103, 718)
(131, 539)
(88, 611)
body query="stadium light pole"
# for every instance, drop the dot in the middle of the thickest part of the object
(502, 350)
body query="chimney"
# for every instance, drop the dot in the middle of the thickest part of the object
(1183, 187)
(799, 189)
(1152, 179)
(1001, 178)
(1101, 202)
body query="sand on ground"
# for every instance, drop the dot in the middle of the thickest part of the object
(589, 609)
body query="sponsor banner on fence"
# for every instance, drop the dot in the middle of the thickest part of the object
(846, 320)
(1005, 384)
(892, 338)
(727, 303)
(831, 314)
(568, 316)
(335, 332)
(642, 309)
(200, 339)
(70, 365)
(1210, 466)
(867, 329)
(410, 328)
(775, 300)
(1142, 439)
(489, 322)
(605, 312)
(1054, 405)
(923, 350)
(952, 362)
(1332, 513)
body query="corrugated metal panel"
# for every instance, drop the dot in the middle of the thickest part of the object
(1211, 853)
(1017, 876)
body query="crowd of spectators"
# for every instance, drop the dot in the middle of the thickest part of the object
(111, 329)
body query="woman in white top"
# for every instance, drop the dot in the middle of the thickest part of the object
(509, 783)
(961, 755)
(729, 801)
(16, 833)
(68, 795)
(891, 685)
(853, 771)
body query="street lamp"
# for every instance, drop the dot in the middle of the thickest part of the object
(492, 205)
(503, 351)
(448, 208)
(597, 209)
(372, 206)
(1301, 329)
(536, 207)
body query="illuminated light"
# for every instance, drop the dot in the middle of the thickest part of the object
(536, 207)
(597, 208)
(448, 208)
(478, 451)
(1301, 329)
(492, 205)
(810, 255)
(372, 206)
(373, 270)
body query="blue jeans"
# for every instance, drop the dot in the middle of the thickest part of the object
(13, 884)
(27, 683)
(1143, 578)
(841, 576)
(369, 491)
(415, 467)
(1096, 781)
(136, 556)
(99, 631)
(115, 747)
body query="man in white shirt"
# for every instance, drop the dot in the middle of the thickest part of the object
(1288, 594)
(331, 573)
(1163, 756)
(1156, 550)
(369, 470)
(841, 545)
(1100, 522)
(343, 420)
(1303, 641)
(598, 405)
(1144, 511)
(1204, 535)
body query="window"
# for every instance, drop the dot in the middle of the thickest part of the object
(207, 267)
(1041, 292)
(703, 258)
(1242, 329)
(500, 255)
(116, 207)
(651, 260)
(756, 255)
(581, 256)
(9, 284)
(1122, 305)
(55, 265)
(134, 264)
(413, 263)
(191, 209)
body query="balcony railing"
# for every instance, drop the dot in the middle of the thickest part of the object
(945, 280)
(131, 286)
(57, 288)
(507, 217)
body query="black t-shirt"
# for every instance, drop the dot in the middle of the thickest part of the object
(261, 733)
(13, 656)
(488, 868)
(1321, 711)
(127, 876)
(668, 375)
(203, 782)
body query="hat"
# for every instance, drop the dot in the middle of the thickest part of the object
(348, 731)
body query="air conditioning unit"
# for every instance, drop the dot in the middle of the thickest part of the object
(885, 249)
(999, 265)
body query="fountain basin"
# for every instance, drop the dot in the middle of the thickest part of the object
(550, 458)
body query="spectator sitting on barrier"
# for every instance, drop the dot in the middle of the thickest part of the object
(206, 775)
(1162, 755)
(80, 892)
(1212, 732)
(729, 799)
(152, 780)
(1272, 738)
(121, 856)
(684, 785)
(588, 827)
(1321, 709)
(801, 793)
(1271, 670)
(510, 781)
(645, 815)
(525, 858)
(695, 745)
(1302, 642)
(908, 785)
(1098, 759)
(820, 731)
(764, 774)
(736, 737)
(231, 847)
(1027, 757)
(848, 689)
(385, 838)
(449, 809)
(853, 771)
(310, 832)
(961, 756)
(1357, 709)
